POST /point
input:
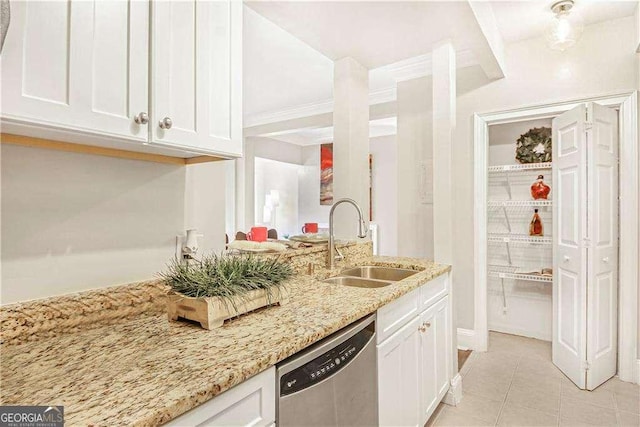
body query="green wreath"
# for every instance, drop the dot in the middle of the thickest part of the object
(534, 146)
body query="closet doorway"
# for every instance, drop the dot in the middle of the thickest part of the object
(504, 255)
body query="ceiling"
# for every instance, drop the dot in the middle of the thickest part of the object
(519, 20)
(280, 71)
(373, 33)
(290, 46)
(313, 136)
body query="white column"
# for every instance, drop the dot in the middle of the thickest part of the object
(414, 148)
(444, 123)
(350, 143)
(245, 189)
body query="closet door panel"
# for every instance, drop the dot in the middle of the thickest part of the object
(569, 290)
(602, 276)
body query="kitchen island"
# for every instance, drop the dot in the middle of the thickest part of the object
(146, 370)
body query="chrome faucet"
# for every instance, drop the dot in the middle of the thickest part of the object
(334, 253)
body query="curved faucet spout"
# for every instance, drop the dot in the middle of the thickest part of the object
(362, 230)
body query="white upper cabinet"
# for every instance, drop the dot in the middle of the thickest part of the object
(81, 67)
(197, 76)
(77, 65)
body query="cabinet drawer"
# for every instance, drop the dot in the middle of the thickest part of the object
(433, 290)
(252, 402)
(396, 314)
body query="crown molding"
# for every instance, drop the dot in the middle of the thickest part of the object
(382, 96)
(412, 68)
(421, 66)
(376, 97)
(304, 110)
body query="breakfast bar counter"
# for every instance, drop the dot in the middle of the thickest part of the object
(145, 370)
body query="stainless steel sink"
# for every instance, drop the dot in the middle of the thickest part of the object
(379, 273)
(358, 282)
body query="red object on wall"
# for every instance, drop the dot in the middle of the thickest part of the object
(326, 174)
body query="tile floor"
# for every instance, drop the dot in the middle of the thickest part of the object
(515, 384)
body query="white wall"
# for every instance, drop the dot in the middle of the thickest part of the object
(637, 19)
(603, 61)
(310, 209)
(72, 222)
(282, 177)
(266, 148)
(205, 203)
(269, 148)
(385, 192)
(278, 68)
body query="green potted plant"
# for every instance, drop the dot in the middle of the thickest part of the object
(219, 287)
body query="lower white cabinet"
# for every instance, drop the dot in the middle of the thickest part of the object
(251, 403)
(398, 384)
(435, 356)
(415, 363)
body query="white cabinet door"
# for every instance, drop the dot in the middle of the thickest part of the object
(398, 388)
(602, 271)
(77, 65)
(435, 357)
(197, 76)
(569, 260)
(251, 403)
(586, 244)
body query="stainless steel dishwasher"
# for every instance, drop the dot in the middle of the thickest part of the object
(333, 382)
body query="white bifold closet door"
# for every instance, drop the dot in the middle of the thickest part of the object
(585, 284)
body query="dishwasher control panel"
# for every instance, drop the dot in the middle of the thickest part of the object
(324, 366)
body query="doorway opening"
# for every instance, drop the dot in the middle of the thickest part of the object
(627, 366)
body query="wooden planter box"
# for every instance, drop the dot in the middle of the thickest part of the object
(211, 312)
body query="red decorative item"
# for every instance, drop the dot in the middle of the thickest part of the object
(540, 190)
(535, 227)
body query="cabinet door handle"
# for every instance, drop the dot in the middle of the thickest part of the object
(605, 260)
(165, 123)
(566, 258)
(424, 326)
(141, 118)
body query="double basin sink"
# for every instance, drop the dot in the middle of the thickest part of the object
(370, 276)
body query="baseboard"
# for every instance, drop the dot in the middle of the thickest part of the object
(466, 339)
(507, 329)
(454, 395)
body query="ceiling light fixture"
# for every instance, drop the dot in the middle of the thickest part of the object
(565, 28)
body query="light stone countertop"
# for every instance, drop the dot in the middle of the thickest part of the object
(146, 370)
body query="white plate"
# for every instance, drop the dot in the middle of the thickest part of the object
(310, 238)
(256, 250)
